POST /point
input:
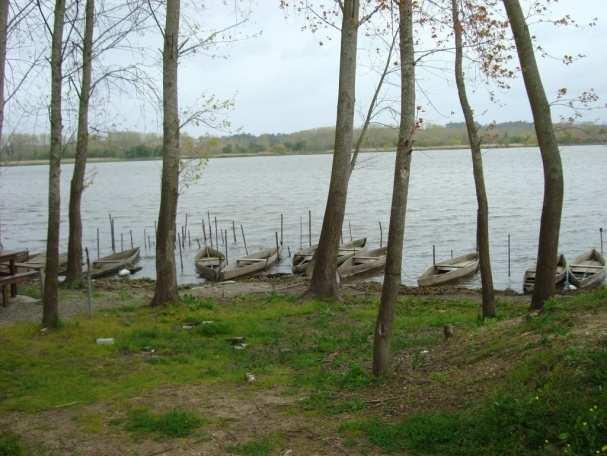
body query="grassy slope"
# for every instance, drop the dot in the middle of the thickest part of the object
(516, 385)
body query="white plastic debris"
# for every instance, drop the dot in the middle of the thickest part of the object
(105, 341)
(240, 346)
(124, 273)
(250, 377)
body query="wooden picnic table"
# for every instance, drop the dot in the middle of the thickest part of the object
(12, 278)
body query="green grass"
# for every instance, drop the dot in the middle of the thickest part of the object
(172, 424)
(10, 445)
(258, 447)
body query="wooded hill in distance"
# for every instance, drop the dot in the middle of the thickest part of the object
(134, 145)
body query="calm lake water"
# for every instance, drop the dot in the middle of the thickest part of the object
(254, 191)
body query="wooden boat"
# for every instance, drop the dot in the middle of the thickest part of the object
(363, 263)
(37, 261)
(449, 270)
(529, 277)
(303, 257)
(587, 270)
(209, 262)
(114, 263)
(250, 264)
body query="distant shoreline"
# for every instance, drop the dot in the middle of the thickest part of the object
(273, 154)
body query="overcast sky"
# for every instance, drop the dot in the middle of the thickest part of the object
(284, 81)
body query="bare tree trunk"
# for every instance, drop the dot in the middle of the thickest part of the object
(166, 275)
(4, 7)
(551, 158)
(482, 228)
(324, 283)
(372, 105)
(50, 311)
(402, 170)
(74, 249)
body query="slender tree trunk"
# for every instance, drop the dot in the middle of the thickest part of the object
(4, 7)
(551, 158)
(482, 228)
(324, 277)
(50, 311)
(402, 170)
(74, 249)
(166, 275)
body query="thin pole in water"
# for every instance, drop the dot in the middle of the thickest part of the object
(381, 235)
(281, 227)
(226, 238)
(145, 237)
(234, 230)
(601, 231)
(289, 251)
(350, 228)
(131, 234)
(204, 232)
(310, 227)
(451, 253)
(244, 240)
(277, 246)
(189, 239)
(180, 254)
(112, 234)
(98, 249)
(433, 255)
(89, 291)
(509, 255)
(199, 246)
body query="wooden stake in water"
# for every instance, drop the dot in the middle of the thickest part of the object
(281, 227)
(98, 250)
(433, 255)
(350, 228)
(310, 228)
(381, 235)
(204, 232)
(226, 238)
(189, 239)
(131, 234)
(277, 246)
(180, 254)
(112, 233)
(289, 251)
(234, 230)
(508, 254)
(244, 240)
(145, 237)
(89, 284)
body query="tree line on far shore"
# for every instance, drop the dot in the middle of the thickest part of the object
(136, 145)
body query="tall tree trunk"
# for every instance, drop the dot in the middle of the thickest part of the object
(402, 170)
(551, 158)
(482, 227)
(50, 312)
(166, 275)
(324, 283)
(4, 7)
(74, 248)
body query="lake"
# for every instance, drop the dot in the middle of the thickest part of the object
(254, 191)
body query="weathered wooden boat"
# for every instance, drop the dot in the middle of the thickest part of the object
(363, 263)
(587, 270)
(529, 276)
(449, 270)
(37, 261)
(250, 264)
(303, 257)
(209, 262)
(114, 263)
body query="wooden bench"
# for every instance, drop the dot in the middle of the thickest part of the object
(6, 281)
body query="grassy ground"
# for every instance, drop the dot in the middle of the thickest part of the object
(174, 383)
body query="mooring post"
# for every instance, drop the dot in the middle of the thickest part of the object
(601, 231)
(350, 228)
(112, 234)
(180, 254)
(281, 227)
(234, 231)
(277, 246)
(381, 235)
(244, 240)
(433, 255)
(98, 250)
(89, 286)
(508, 254)
(310, 227)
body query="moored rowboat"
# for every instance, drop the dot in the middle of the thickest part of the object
(529, 276)
(363, 263)
(303, 257)
(209, 262)
(449, 270)
(114, 263)
(588, 270)
(250, 264)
